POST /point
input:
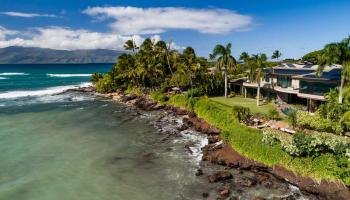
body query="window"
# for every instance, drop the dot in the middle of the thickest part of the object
(317, 88)
(284, 81)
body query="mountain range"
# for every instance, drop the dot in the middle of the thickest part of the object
(34, 55)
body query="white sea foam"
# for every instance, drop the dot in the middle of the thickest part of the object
(68, 75)
(43, 92)
(13, 74)
(2, 78)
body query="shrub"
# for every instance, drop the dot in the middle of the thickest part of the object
(345, 121)
(273, 114)
(106, 84)
(292, 117)
(231, 95)
(159, 96)
(316, 122)
(164, 87)
(191, 97)
(240, 112)
(134, 90)
(96, 77)
(193, 92)
(308, 145)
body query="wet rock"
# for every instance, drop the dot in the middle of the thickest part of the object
(158, 107)
(213, 139)
(291, 197)
(220, 176)
(179, 111)
(183, 127)
(264, 179)
(246, 182)
(205, 195)
(187, 122)
(258, 198)
(199, 172)
(191, 114)
(128, 97)
(188, 148)
(224, 193)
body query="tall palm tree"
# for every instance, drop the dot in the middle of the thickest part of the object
(276, 55)
(191, 66)
(130, 45)
(164, 51)
(225, 60)
(337, 53)
(260, 63)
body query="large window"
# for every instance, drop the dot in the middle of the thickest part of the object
(317, 88)
(284, 81)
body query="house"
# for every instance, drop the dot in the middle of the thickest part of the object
(293, 84)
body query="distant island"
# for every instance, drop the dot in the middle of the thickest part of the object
(34, 55)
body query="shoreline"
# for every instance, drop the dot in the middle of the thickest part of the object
(220, 154)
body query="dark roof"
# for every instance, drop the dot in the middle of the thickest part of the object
(292, 71)
(333, 74)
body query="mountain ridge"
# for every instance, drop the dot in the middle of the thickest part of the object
(35, 55)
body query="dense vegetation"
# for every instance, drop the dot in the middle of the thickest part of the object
(155, 66)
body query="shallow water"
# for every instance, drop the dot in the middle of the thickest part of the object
(89, 150)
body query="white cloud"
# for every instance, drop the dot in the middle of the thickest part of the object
(26, 15)
(68, 39)
(5, 32)
(132, 20)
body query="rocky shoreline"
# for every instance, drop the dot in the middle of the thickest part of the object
(225, 158)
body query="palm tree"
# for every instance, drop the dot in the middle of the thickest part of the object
(189, 60)
(276, 55)
(130, 45)
(164, 50)
(244, 57)
(260, 63)
(337, 53)
(225, 60)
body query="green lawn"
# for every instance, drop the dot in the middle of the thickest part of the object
(246, 102)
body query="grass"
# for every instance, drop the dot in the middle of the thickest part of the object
(246, 102)
(248, 141)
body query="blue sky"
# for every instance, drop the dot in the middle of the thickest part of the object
(256, 26)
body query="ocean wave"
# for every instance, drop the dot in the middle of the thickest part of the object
(43, 92)
(68, 75)
(2, 78)
(13, 74)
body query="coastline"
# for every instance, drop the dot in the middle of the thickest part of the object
(219, 154)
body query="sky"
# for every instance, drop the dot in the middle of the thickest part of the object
(294, 27)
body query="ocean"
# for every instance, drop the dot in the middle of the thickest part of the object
(74, 146)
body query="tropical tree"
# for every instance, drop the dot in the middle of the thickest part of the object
(244, 57)
(259, 62)
(130, 45)
(225, 60)
(276, 55)
(337, 53)
(163, 52)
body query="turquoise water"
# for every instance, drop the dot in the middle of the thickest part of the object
(31, 76)
(74, 146)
